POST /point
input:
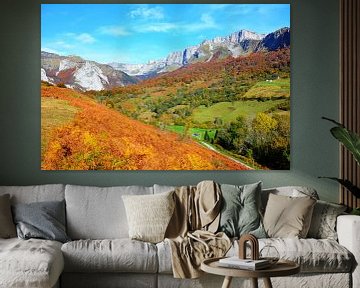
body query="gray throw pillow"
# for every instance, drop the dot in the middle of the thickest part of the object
(323, 222)
(44, 220)
(7, 226)
(240, 213)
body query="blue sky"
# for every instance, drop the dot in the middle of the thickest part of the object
(138, 33)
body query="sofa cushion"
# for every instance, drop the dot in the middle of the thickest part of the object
(164, 257)
(7, 226)
(117, 255)
(36, 193)
(98, 213)
(163, 188)
(30, 263)
(313, 255)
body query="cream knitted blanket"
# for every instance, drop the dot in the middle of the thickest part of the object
(191, 231)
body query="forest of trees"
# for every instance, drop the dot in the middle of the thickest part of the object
(266, 139)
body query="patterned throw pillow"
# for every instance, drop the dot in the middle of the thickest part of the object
(288, 217)
(149, 215)
(240, 213)
(323, 223)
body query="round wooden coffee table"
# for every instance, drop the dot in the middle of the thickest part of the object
(281, 268)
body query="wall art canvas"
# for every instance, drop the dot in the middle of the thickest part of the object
(165, 86)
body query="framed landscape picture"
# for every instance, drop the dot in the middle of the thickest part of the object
(165, 86)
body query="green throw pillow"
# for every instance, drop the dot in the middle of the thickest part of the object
(240, 213)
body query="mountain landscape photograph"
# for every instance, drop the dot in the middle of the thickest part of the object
(165, 86)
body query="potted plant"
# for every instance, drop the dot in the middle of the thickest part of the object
(351, 141)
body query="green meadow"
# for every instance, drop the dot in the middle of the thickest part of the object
(54, 113)
(229, 111)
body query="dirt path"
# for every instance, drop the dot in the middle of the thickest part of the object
(224, 155)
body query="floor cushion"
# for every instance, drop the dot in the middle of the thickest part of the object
(30, 263)
(115, 255)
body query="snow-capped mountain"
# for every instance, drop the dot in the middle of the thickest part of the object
(236, 44)
(81, 74)
(137, 70)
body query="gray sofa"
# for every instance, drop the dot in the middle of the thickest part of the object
(101, 254)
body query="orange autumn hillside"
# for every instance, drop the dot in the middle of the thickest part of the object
(86, 135)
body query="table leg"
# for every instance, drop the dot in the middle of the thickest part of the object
(227, 282)
(267, 283)
(254, 282)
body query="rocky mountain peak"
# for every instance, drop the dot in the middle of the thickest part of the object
(77, 73)
(239, 43)
(275, 40)
(243, 35)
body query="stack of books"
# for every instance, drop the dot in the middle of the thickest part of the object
(248, 264)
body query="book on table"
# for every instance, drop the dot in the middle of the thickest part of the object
(249, 264)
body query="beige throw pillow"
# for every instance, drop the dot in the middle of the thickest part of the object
(7, 226)
(288, 217)
(148, 215)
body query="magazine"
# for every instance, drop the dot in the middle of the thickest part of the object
(249, 264)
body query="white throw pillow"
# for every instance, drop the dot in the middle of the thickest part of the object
(149, 215)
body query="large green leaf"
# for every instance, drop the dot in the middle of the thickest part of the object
(348, 185)
(348, 138)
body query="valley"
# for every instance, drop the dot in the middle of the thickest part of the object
(240, 106)
(223, 104)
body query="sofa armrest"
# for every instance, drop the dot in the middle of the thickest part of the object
(348, 230)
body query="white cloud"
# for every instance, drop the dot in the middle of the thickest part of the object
(216, 7)
(66, 42)
(206, 22)
(62, 44)
(248, 9)
(207, 19)
(113, 31)
(70, 34)
(145, 12)
(49, 50)
(156, 27)
(85, 38)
